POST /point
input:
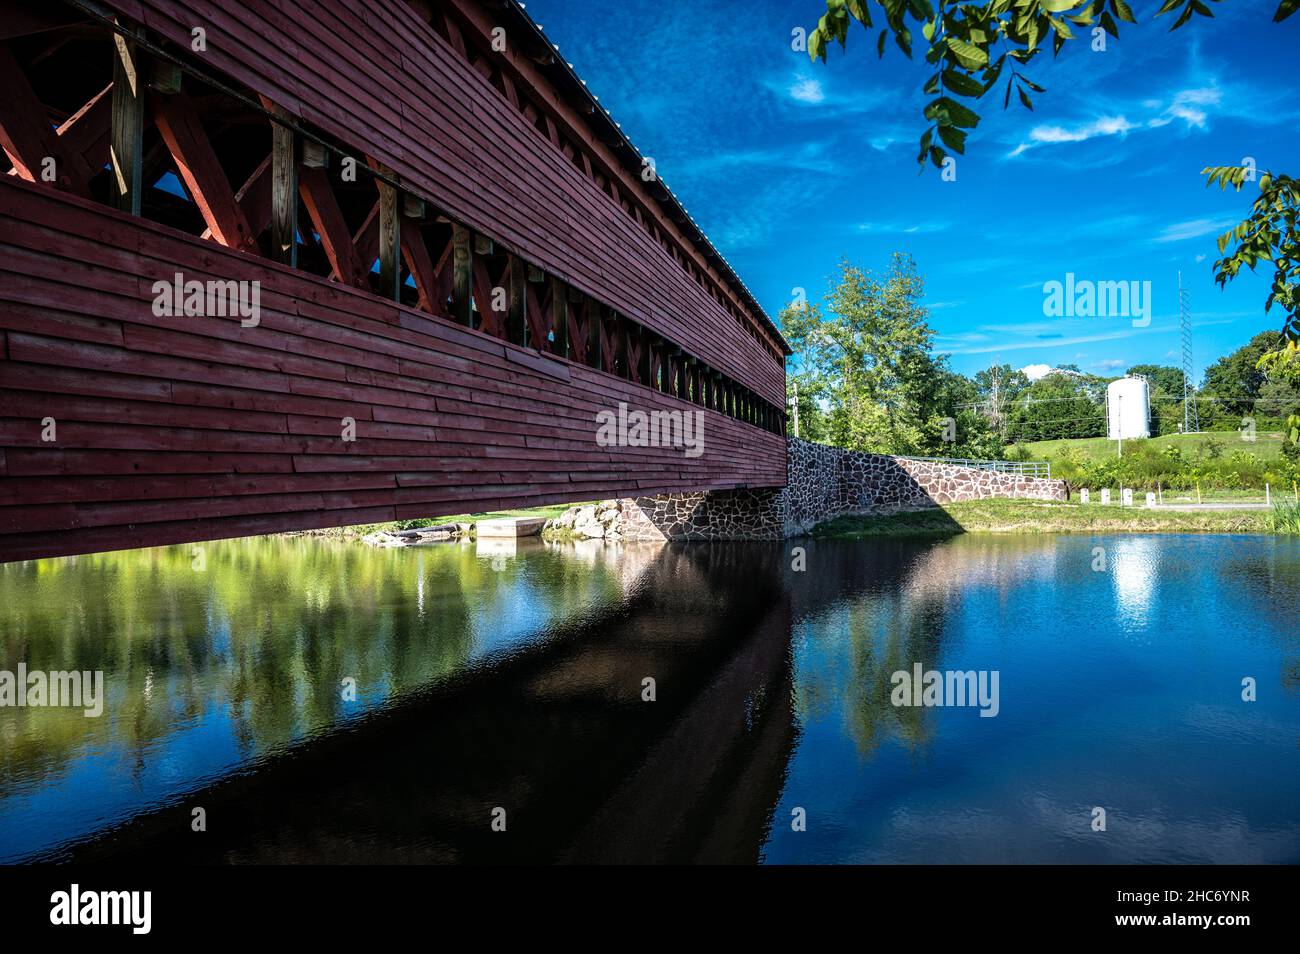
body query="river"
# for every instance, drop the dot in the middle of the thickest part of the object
(702, 702)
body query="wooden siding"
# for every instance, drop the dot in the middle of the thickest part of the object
(172, 429)
(378, 76)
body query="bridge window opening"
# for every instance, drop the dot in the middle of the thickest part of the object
(497, 69)
(206, 158)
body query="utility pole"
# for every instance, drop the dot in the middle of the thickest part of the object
(1191, 421)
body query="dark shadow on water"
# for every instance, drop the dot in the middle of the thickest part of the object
(558, 735)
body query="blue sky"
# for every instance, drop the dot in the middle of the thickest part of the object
(789, 165)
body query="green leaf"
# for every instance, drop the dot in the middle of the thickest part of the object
(1058, 6)
(858, 8)
(1285, 9)
(816, 45)
(953, 138)
(904, 41)
(1124, 11)
(956, 113)
(968, 55)
(1024, 98)
(1183, 18)
(961, 83)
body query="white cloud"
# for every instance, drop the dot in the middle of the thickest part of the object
(902, 228)
(1053, 135)
(807, 90)
(1189, 105)
(1035, 371)
(1186, 101)
(1193, 228)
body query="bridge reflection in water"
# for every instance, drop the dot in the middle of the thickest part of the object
(555, 731)
(493, 680)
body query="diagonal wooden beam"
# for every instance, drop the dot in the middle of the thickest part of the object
(366, 241)
(577, 323)
(489, 319)
(27, 136)
(87, 131)
(538, 332)
(443, 271)
(254, 198)
(178, 123)
(417, 260)
(327, 220)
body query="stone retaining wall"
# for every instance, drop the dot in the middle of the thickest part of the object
(823, 482)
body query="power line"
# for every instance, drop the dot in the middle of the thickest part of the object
(1082, 397)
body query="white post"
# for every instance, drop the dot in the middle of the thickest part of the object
(1083, 495)
(1268, 495)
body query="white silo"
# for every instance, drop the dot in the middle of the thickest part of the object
(1128, 409)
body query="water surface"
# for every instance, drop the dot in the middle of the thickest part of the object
(520, 680)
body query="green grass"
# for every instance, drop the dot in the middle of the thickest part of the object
(1266, 446)
(1286, 516)
(1037, 516)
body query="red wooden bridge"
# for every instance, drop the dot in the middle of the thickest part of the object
(416, 260)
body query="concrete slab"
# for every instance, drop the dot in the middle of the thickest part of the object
(511, 527)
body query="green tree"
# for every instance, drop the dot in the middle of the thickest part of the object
(1166, 379)
(1278, 400)
(867, 358)
(1057, 406)
(1235, 380)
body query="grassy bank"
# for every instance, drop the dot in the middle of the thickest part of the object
(1266, 446)
(1215, 463)
(1034, 516)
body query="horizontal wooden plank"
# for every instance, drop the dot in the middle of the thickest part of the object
(171, 430)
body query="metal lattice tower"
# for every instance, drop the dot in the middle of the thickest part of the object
(1191, 423)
